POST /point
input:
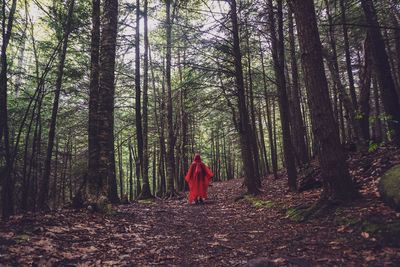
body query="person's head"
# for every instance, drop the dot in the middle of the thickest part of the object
(197, 157)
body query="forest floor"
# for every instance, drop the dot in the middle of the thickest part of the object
(222, 232)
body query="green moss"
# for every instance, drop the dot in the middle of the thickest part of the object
(149, 201)
(296, 214)
(22, 238)
(389, 187)
(259, 203)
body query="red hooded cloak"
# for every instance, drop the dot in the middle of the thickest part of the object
(198, 177)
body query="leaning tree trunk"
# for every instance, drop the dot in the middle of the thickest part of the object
(106, 101)
(44, 186)
(298, 127)
(337, 182)
(245, 129)
(348, 102)
(384, 76)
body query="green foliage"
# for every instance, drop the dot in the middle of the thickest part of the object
(373, 147)
(22, 238)
(258, 203)
(147, 201)
(295, 214)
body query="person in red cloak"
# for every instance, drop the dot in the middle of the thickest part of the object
(198, 178)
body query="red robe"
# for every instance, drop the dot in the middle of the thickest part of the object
(198, 177)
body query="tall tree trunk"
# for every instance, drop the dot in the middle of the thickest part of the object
(138, 93)
(262, 143)
(337, 182)
(348, 102)
(377, 129)
(130, 171)
(349, 66)
(254, 138)
(268, 121)
(171, 136)
(108, 40)
(365, 91)
(298, 128)
(54, 190)
(44, 186)
(146, 192)
(7, 190)
(278, 56)
(384, 76)
(94, 183)
(120, 168)
(245, 129)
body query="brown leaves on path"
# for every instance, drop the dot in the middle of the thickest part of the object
(220, 233)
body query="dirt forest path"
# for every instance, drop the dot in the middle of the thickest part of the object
(222, 232)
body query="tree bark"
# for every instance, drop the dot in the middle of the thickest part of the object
(365, 91)
(384, 76)
(298, 128)
(337, 182)
(348, 56)
(245, 130)
(171, 136)
(138, 93)
(44, 186)
(274, 162)
(278, 55)
(146, 192)
(106, 101)
(7, 191)
(94, 183)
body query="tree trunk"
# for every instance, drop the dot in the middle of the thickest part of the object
(338, 185)
(7, 191)
(268, 121)
(389, 96)
(348, 102)
(377, 129)
(277, 43)
(44, 186)
(146, 192)
(138, 93)
(254, 138)
(365, 91)
(298, 128)
(108, 39)
(130, 171)
(348, 56)
(245, 130)
(94, 182)
(120, 168)
(171, 136)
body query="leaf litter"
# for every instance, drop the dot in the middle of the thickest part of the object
(223, 232)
